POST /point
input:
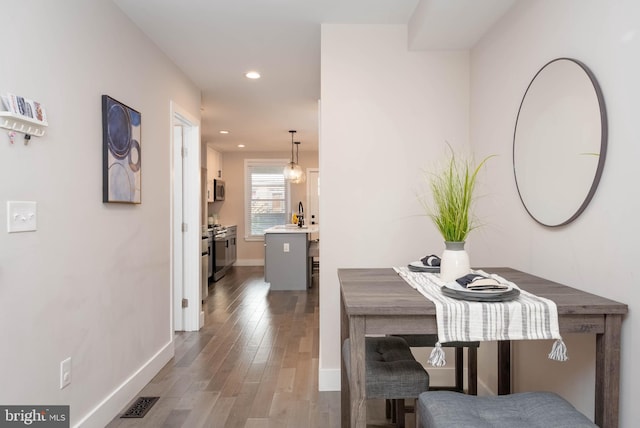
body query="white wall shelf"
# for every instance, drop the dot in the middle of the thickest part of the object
(23, 124)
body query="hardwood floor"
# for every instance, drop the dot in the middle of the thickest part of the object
(253, 365)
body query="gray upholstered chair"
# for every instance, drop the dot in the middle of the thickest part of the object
(446, 409)
(391, 372)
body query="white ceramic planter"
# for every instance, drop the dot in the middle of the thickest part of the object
(454, 262)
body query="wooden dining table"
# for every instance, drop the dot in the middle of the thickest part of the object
(379, 301)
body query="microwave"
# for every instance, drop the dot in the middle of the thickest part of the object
(218, 190)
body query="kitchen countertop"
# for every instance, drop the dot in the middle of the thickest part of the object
(293, 229)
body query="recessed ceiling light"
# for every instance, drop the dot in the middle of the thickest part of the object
(241, 146)
(252, 75)
(224, 131)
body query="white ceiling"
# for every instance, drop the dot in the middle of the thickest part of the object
(215, 42)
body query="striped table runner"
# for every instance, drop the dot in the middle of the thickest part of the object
(528, 317)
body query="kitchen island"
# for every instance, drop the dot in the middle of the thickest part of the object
(286, 257)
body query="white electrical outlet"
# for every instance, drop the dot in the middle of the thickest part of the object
(65, 373)
(21, 216)
(286, 247)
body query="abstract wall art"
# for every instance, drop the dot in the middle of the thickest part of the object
(121, 154)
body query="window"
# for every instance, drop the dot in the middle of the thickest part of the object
(267, 196)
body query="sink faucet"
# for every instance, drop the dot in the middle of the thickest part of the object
(300, 214)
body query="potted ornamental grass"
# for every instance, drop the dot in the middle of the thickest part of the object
(450, 208)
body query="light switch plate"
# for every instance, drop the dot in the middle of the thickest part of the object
(21, 216)
(65, 373)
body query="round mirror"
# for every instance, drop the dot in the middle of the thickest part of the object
(559, 142)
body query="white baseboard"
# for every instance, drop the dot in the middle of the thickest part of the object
(249, 262)
(329, 379)
(484, 390)
(104, 412)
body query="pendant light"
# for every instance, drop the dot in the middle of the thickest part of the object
(300, 175)
(292, 172)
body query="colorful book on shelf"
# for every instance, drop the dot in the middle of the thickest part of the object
(12, 104)
(39, 112)
(24, 107)
(6, 104)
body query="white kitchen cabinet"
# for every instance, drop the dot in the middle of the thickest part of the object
(214, 170)
(214, 164)
(209, 188)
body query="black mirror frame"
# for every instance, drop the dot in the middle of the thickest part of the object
(603, 141)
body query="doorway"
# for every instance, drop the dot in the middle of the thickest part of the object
(185, 221)
(313, 199)
(313, 195)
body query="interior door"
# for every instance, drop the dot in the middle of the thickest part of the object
(186, 235)
(178, 242)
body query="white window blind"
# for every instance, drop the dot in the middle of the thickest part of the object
(267, 196)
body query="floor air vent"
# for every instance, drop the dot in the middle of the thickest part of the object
(140, 407)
